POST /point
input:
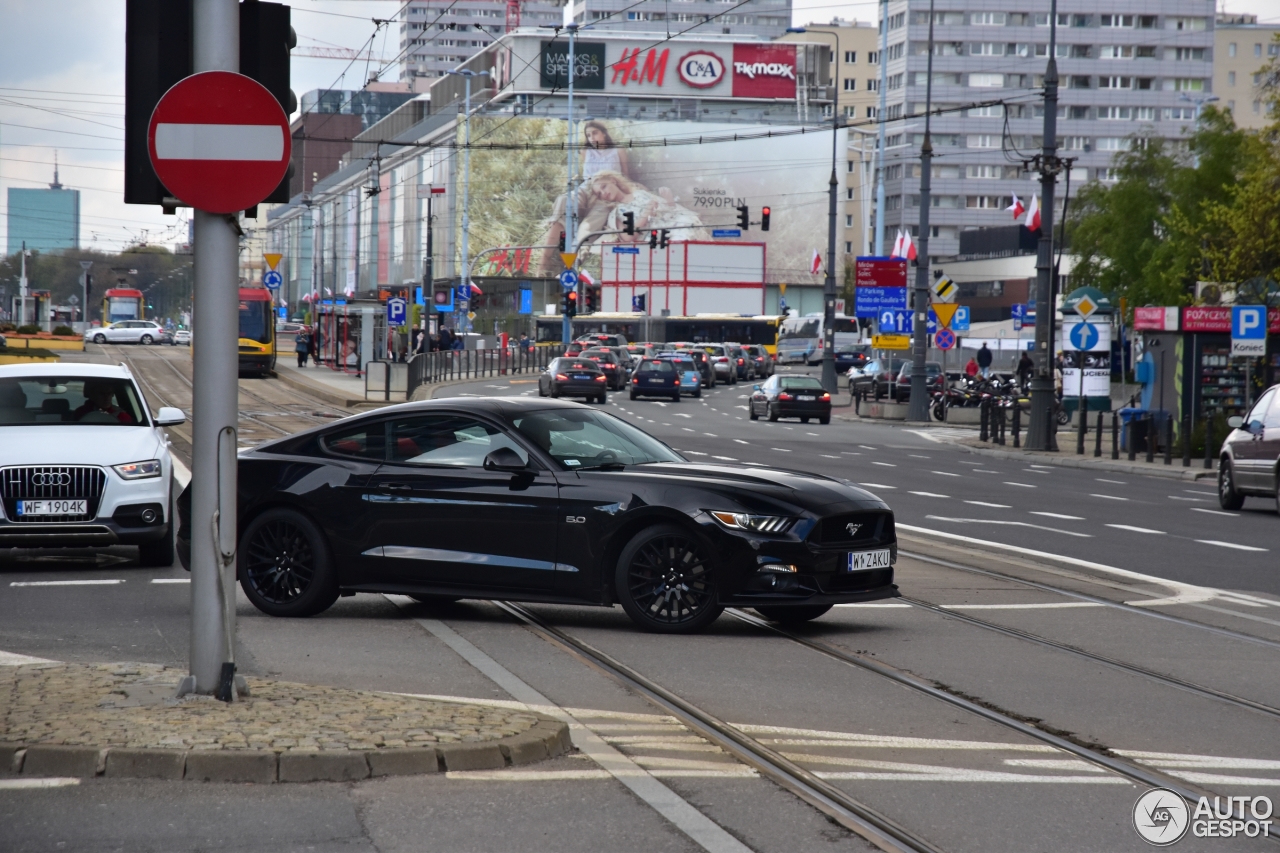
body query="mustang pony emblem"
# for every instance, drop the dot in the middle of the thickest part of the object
(853, 529)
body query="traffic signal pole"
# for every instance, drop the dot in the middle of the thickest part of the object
(918, 404)
(214, 408)
(570, 203)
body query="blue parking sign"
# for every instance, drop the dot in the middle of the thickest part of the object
(960, 320)
(397, 311)
(1248, 330)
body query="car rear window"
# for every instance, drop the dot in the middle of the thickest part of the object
(716, 350)
(579, 365)
(796, 382)
(656, 367)
(70, 400)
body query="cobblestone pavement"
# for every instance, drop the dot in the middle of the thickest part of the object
(128, 705)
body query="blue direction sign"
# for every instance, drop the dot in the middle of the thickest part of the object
(1019, 316)
(718, 233)
(397, 311)
(944, 339)
(1083, 336)
(874, 301)
(626, 250)
(960, 320)
(568, 280)
(272, 279)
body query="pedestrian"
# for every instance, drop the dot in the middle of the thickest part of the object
(446, 339)
(524, 342)
(1025, 367)
(971, 369)
(302, 345)
(316, 342)
(984, 360)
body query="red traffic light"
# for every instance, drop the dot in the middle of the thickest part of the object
(764, 218)
(571, 296)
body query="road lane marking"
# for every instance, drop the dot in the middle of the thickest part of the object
(693, 452)
(877, 486)
(740, 441)
(1180, 498)
(725, 458)
(1214, 511)
(1221, 544)
(945, 473)
(103, 582)
(1021, 485)
(659, 797)
(993, 506)
(829, 456)
(850, 453)
(1056, 605)
(929, 494)
(870, 604)
(1058, 515)
(51, 782)
(688, 429)
(1206, 494)
(1116, 482)
(15, 659)
(1109, 497)
(866, 447)
(1130, 527)
(683, 415)
(984, 471)
(918, 456)
(885, 464)
(171, 580)
(1034, 471)
(710, 435)
(1045, 467)
(1007, 524)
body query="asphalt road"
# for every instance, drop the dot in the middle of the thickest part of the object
(960, 781)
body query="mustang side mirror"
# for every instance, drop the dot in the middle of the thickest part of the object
(504, 459)
(1235, 422)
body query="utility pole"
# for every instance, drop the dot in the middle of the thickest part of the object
(829, 285)
(216, 47)
(465, 278)
(566, 325)
(919, 402)
(84, 286)
(880, 118)
(1040, 434)
(22, 288)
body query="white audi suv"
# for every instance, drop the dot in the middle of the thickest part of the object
(83, 463)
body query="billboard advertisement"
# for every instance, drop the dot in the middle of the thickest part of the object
(518, 192)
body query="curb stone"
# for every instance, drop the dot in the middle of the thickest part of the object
(545, 739)
(1170, 472)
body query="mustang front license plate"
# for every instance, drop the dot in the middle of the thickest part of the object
(860, 560)
(53, 507)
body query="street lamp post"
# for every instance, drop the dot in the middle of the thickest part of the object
(918, 409)
(466, 74)
(880, 119)
(833, 183)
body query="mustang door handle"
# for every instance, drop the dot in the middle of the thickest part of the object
(396, 487)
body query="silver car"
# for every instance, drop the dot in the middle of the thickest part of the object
(1249, 462)
(145, 332)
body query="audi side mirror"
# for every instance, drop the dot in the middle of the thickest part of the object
(504, 459)
(1235, 422)
(170, 416)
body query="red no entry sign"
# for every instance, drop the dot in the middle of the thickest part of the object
(219, 141)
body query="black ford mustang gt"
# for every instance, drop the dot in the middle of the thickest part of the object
(537, 500)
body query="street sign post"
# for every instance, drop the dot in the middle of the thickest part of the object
(1248, 330)
(944, 339)
(219, 141)
(271, 280)
(568, 280)
(397, 311)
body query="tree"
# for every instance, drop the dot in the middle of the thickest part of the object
(1242, 233)
(162, 275)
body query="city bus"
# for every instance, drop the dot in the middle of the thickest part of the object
(257, 331)
(701, 328)
(800, 339)
(122, 303)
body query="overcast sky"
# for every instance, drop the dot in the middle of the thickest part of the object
(62, 90)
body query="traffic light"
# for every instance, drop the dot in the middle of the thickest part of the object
(158, 46)
(593, 300)
(653, 239)
(764, 218)
(664, 239)
(569, 305)
(744, 217)
(560, 245)
(629, 222)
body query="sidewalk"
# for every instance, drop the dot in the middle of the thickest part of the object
(333, 386)
(121, 720)
(1066, 457)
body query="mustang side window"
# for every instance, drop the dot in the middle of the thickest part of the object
(451, 440)
(366, 441)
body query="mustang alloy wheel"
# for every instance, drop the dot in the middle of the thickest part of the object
(664, 581)
(285, 569)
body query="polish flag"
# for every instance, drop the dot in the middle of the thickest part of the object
(475, 288)
(1033, 215)
(585, 278)
(815, 265)
(1016, 208)
(908, 246)
(896, 252)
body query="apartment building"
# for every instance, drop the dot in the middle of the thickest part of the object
(765, 18)
(1127, 67)
(854, 59)
(1241, 47)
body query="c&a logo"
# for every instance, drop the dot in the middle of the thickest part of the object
(700, 69)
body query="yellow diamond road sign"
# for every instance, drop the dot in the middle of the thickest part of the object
(1085, 307)
(891, 341)
(568, 258)
(945, 290)
(945, 312)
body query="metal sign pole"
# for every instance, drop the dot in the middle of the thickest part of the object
(214, 404)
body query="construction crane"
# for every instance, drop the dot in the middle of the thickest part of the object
(513, 14)
(334, 53)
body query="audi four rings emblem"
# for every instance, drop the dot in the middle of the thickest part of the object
(853, 529)
(62, 479)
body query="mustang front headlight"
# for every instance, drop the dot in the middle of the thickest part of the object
(754, 523)
(139, 470)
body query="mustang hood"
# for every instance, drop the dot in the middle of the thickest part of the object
(77, 444)
(812, 490)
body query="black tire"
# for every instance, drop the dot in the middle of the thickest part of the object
(145, 340)
(1064, 417)
(751, 412)
(793, 615)
(284, 565)
(158, 554)
(769, 410)
(99, 338)
(938, 414)
(1228, 496)
(633, 395)
(825, 420)
(675, 398)
(541, 393)
(664, 581)
(697, 395)
(435, 600)
(602, 399)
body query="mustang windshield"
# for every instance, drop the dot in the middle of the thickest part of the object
(579, 439)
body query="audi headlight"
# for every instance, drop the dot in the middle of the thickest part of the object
(139, 470)
(754, 523)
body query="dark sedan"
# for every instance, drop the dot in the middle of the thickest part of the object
(573, 377)
(790, 397)
(852, 355)
(901, 390)
(656, 378)
(761, 359)
(610, 364)
(874, 379)
(702, 360)
(533, 500)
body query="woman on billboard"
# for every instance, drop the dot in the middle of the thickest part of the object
(599, 154)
